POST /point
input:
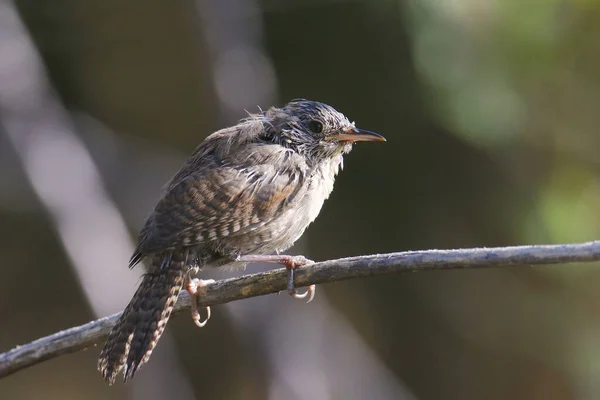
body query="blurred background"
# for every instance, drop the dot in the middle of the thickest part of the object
(490, 109)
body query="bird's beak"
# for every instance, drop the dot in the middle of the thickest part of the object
(357, 135)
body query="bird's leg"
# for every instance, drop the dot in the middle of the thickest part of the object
(290, 263)
(195, 287)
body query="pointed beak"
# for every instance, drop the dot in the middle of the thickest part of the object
(358, 135)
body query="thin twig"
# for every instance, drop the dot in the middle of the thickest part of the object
(259, 284)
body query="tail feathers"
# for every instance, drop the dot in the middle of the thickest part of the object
(139, 328)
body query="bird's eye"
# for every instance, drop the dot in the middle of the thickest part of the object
(315, 126)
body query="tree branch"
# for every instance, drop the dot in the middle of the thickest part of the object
(259, 284)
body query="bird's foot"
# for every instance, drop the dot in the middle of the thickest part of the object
(195, 287)
(290, 263)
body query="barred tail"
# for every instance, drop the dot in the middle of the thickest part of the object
(139, 328)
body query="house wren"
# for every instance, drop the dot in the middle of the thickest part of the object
(246, 192)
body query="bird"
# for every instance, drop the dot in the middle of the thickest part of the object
(246, 194)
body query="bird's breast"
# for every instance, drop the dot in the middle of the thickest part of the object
(320, 187)
(299, 214)
(307, 192)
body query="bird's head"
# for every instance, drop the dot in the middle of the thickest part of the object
(315, 130)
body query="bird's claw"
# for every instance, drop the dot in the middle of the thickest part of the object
(310, 292)
(194, 286)
(197, 319)
(291, 263)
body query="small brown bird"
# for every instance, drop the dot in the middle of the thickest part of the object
(247, 191)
